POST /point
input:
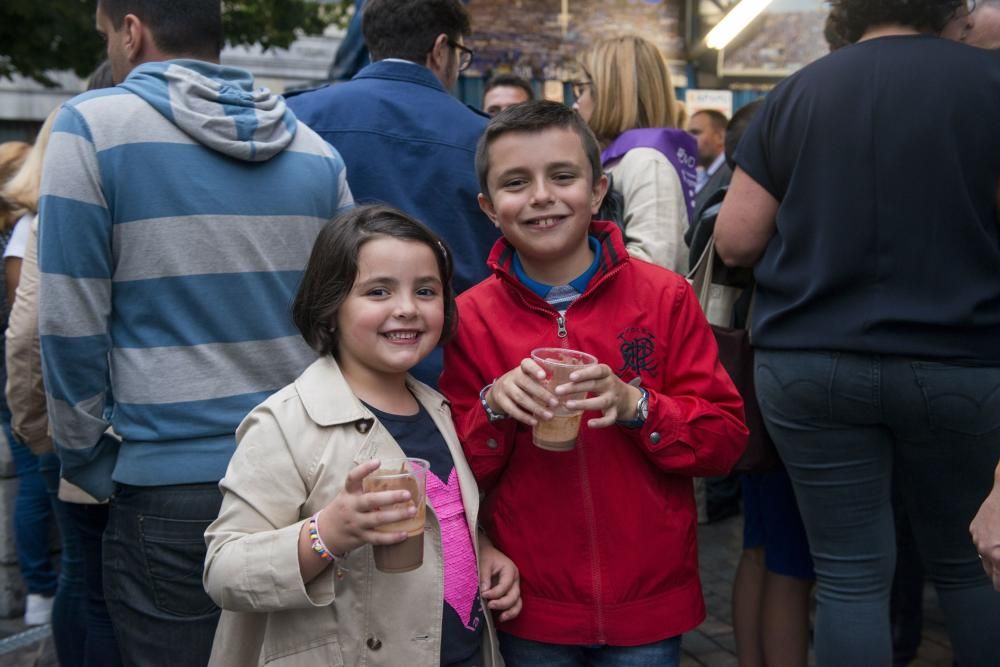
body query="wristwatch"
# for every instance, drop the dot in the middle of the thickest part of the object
(493, 416)
(641, 411)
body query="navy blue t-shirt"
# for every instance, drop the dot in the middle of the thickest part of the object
(462, 627)
(885, 159)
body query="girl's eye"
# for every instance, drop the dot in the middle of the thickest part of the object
(378, 291)
(427, 291)
(565, 177)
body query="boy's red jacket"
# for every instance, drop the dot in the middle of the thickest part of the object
(604, 535)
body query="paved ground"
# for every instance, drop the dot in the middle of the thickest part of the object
(711, 645)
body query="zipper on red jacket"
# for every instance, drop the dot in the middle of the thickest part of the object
(588, 510)
(595, 555)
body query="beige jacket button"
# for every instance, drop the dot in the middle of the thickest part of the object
(374, 643)
(654, 438)
(491, 443)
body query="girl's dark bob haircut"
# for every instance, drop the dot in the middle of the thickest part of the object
(333, 268)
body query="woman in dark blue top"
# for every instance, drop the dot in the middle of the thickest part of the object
(866, 198)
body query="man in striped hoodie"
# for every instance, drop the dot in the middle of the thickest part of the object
(178, 212)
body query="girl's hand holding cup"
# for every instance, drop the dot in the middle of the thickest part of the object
(352, 518)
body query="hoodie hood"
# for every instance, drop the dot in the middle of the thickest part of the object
(216, 106)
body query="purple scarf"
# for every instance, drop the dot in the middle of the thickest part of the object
(679, 147)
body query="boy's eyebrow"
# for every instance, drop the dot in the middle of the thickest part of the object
(567, 164)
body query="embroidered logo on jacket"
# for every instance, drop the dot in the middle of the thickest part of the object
(638, 350)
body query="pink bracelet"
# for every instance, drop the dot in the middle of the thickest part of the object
(317, 542)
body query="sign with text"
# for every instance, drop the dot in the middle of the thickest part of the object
(697, 99)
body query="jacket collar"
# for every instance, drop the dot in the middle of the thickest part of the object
(613, 252)
(398, 71)
(329, 401)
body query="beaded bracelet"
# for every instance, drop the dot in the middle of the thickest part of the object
(317, 542)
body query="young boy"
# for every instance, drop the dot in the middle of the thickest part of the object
(604, 535)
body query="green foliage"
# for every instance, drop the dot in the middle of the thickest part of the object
(275, 22)
(44, 35)
(52, 35)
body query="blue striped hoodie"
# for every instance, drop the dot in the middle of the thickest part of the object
(178, 212)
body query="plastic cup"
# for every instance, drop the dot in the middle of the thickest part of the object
(407, 474)
(559, 433)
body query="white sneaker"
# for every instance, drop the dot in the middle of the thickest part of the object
(38, 609)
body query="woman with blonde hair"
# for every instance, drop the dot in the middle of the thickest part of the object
(12, 156)
(61, 598)
(627, 98)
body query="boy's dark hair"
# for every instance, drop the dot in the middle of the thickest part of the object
(512, 81)
(406, 29)
(857, 16)
(534, 117)
(737, 126)
(333, 268)
(715, 117)
(179, 27)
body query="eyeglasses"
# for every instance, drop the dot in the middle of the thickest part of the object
(580, 87)
(464, 55)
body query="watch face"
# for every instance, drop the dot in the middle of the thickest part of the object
(644, 407)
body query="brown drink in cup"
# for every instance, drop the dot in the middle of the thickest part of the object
(407, 474)
(559, 433)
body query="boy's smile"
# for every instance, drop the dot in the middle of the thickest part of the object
(542, 199)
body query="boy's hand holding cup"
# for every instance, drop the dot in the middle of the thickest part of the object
(549, 391)
(521, 394)
(616, 400)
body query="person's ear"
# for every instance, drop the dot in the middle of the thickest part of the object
(600, 189)
(437, 58)
(133, 37)
(487, 207)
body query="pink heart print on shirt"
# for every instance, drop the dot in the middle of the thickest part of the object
(461, 574)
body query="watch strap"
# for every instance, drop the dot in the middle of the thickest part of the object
(490, 413)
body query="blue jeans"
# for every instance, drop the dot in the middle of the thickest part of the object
(32, 514)
(845, 426)
(154, 556)
(519, 652)
(68, 619)
(98, 646)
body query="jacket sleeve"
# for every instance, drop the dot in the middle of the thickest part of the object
(252, 563)
(655, 209)
(25, 390)
(76, 263)
(695, 424)
(487, 446)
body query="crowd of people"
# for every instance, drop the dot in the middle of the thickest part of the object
(231, 313)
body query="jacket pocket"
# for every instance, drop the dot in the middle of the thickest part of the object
(320, 652)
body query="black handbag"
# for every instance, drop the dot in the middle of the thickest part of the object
(718, 301)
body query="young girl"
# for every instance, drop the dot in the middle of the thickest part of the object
(289, 559)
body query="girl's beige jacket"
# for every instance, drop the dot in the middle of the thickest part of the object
(294, 452)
